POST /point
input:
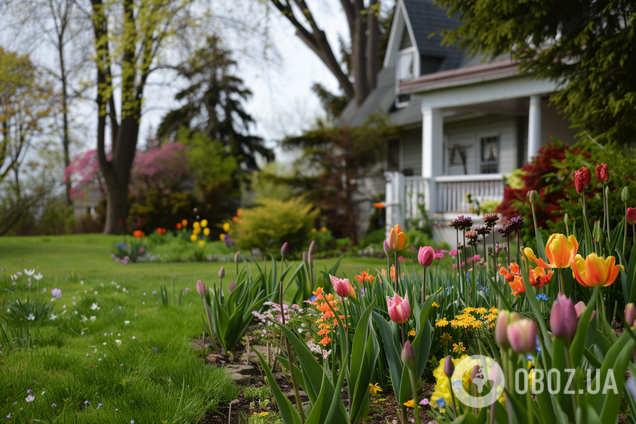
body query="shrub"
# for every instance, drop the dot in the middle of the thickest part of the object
(273, 223)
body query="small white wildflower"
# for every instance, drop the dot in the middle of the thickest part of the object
(29, 272)
(38, 276)
(126, 322)
(118, 342)
(94, 307)
(53, 316)
(31, 317)
(93, 318)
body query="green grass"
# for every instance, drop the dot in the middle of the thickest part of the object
(153, 376)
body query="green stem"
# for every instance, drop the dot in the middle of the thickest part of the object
(414, 389)
(405, 418)
(453, 397)
(625, 232)
(299, 404)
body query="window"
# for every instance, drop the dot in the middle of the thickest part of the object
(393, 155)
(405, 64)
(489, 154)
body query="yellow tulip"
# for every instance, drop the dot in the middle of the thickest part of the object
(397, 239)
(201, 243)
(560, 251)
(193, 237)
(222, 237)
(226, 227)
(595, 271)
(206, 232)
(196, 224)
(196, 231)
(204, 223)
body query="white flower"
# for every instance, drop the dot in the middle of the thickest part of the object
(53, 316)
(29, 272)
(84, 319)
(38, 276)
(94, 307)
(133, 337)
(31, 317)
(56, 293)
(93, 318)
(118, 342)
(81, 283)
(18, 274)
(126, 322)
(30, 398)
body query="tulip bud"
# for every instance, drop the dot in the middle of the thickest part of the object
(625, 194)
(630, 314)
(522, 335)
(387, 248)
(449, 366)
(596, 232)
(582, 179)
(580, 308)
(475, 372)
(408, 355)
(563, 319)
(566, 219)
(426, 256)
(311, 248)
(201, 288)
(304, 256)
(504, 318)
(631, 216)
(601, 172)
(284, 251)
(232, 286)
(532, 196)
(237, 257)
(222, 272)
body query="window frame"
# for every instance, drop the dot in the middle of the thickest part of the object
(480, 162)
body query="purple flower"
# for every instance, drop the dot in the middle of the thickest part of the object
(87, 403)
(54, 405)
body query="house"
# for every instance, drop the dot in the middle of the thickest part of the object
(465, 124)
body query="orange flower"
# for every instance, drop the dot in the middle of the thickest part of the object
(397, 239)
(379, 205)
(595, 271)
(239, 212)
(510, 275)
(560, 251)
(323, 332)
(365, 276)
(325, 341)
(517, 285)
(178, 225)
(184, 222)
(138, 233)
(539, 277)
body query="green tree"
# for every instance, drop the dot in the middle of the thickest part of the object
(129, 35)
(213, 105)
(587, 46)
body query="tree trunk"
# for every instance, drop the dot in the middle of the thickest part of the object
(373, 36)
(116, 207)
(358, 54)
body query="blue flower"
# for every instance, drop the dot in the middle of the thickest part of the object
(441, 402)
(538, 349)
(529, 357)
(457, 384)
(313, 298)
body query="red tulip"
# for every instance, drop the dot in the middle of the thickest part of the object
(631, 215)
(582, 179)
(426, 256)
(399, 309)
(601, 172)
(563, 318)
(522, 335)
(201, 288)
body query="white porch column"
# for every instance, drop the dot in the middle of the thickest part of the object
(534, 127)
(432, 154)
(394, 200)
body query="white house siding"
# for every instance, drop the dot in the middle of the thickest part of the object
(554, 124)
(412, 150)
(468, 134)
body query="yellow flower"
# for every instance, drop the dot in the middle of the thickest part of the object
(559, 250)
(323, 229)
(480, 311)
(459, 347)
(193, 237)
(222, 237)
(196, 224)
(226, 227)
(595, 271)
(412, 332)
(397, 239)
(374, 389)
(409, 403)
(196, 231)
(201, 243)
(494, 310)
(206, 232)
(313, 230)
(204, 223)
(434, 305)
(441, 322)
(446, 339)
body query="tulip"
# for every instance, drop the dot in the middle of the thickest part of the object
(387, 248)
(342, 286)
(582, 179)
(397, 239)
(532, 195)
(580, 307)
(631, 216)
(475, 372)
(630, 314)
(201, 288)
(601, 172)
(449, 366)
(595, 271)
(222, 272)
(563, 318)
(311, 248)
(503, 320)
(522, 336)
(399, 309)
(284, 250)
(237, 257)
(560, 251)
(625, 194)
(426, 256)
(232, 286)
(121, 222)
(408, 355)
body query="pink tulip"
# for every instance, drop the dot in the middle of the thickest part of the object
(503, 320)
(580, 307)
(408, 354)
(201, 288)
(387, 248)
(232, 286)
(449, 366)
(399, 309)
(426, 256)
(522, 335)
(222, 272)
(630, 314)
(341, 286)
(563, 319)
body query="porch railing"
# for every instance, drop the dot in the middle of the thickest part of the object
(452, 189)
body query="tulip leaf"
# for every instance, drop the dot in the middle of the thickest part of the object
(500, 295)
(531, 295)
(321, 406)
(612, 401)
(576, 350)
(470, 418)
(364, 354)
(559, 364)
(287, 412)
(591, 358)
(391, 352)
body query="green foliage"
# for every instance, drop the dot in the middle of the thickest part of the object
(158, 209)
(586, 46)
(273, 223)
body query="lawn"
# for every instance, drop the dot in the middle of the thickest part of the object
(114, 352)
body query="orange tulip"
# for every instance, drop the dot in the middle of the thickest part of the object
(594, 271)
(516, 285)
(560, 251)
(397, 239)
